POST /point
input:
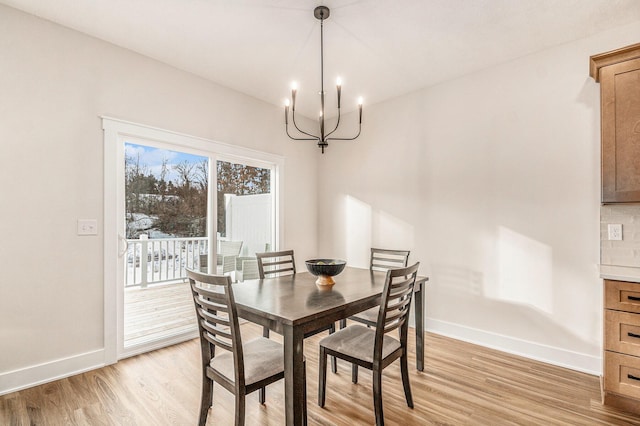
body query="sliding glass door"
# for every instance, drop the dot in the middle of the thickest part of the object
(174, 202)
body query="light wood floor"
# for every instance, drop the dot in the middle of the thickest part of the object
(462, 384)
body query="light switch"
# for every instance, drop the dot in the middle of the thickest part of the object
(87, 227)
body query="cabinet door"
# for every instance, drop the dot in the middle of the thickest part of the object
(620, 92)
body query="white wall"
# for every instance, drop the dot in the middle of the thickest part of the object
(492, 181)
(54, 85)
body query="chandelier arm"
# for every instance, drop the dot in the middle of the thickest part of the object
(286, 129)
(293, 118)
(298, 139)
(347, 139)
(335, 128)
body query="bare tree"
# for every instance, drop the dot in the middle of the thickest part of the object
(202, 175)
(185, 173)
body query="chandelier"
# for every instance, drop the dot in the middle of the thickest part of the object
(321, 13)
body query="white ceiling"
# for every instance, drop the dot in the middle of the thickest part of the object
(380, 48)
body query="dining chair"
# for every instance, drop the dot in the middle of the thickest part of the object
(239, 367)
(276, 263)
(272, 264)
(380, 260)
(282, 263)
(375, 349)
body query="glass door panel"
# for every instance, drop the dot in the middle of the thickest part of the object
(245, 217)
(166, 203)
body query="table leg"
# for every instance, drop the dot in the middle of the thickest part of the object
(294, 377)
(419, 317)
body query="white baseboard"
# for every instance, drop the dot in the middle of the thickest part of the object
(551, 355)
(23, 378)
(158, 344)
(13, 381)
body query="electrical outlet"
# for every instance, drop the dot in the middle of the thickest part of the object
(615, 231)
(87, 227)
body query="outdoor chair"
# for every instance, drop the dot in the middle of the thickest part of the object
(239, 367)
(375, 349)
(250, 269)
(228, 252)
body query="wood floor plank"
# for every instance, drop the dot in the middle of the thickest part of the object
(462, 384)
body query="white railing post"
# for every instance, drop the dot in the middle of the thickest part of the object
(144, 260)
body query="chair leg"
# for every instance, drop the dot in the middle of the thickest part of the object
(404, 368)
(240, 409)
(262, 395)
(343, 323)
(322, 379)
(265, 332)
(377, 396)
(354, 373)
(206, 400)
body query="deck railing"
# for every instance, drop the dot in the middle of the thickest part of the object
(162, 260)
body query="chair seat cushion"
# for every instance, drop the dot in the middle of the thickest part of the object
(357, 341)
(370, 315)
(262, 358)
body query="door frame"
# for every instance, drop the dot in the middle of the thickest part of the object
(115, 132)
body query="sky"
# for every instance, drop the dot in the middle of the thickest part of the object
(152, 158)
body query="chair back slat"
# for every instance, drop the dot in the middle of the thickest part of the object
(395, 304)
(384, 259)
(280, 262)
(276, 263)
(224, 344)
(212, 303)
(400, 287)
(217, 318)
(223, 332)
(216, 324)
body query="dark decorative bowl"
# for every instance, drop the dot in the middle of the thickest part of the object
(325, 269)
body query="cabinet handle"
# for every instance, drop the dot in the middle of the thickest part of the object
(630, 334)
(632, 377)
(633, 298)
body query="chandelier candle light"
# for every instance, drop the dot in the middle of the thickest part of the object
(321, 13)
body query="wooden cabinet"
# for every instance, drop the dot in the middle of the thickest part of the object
(619, 75)
(622, 345)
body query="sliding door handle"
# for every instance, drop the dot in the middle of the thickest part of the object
(121, 240)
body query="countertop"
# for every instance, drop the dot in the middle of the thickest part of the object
(620, 273)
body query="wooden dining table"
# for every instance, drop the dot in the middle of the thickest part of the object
(294, 305)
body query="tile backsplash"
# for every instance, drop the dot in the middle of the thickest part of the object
(627, 251)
